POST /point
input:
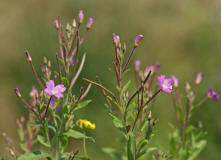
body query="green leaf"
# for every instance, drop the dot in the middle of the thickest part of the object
(82, 105)
(129, 149)
(181, 113)
(65, 82)
(43, 141)
(77, 135)
(146, 152)
(199, 147)
(125, 87)
(116, 121)
(35, 155)
(113, 153)
(84, 158)
(35, 123)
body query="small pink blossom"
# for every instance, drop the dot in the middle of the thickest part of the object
(53, 90)
(165, 83)
(212, 94)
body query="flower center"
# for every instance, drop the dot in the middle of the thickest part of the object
(54, 91)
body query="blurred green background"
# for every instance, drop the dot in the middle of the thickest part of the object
(184, 36)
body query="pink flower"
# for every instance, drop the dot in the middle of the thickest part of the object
(165, 84)
(175, 81)
(53, 90)
(212, 94)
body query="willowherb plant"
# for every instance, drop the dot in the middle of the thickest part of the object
(132, 115)
(51, 108)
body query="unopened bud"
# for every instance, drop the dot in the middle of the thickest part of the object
(198, 78)
(82, 89)
(116, 39)
(17, 92)
(138, 40)
(149, 116)
(56, 24)
(175, 81)
(49, 64)
(157, 67)
(28, 56)
(137, 65)
(90, 22)
(74, 23)
(80, 17)
(45, 60)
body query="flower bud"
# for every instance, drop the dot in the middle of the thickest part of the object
(80, 17)
(116, 39)
(175, 81)
(138, 40)
(90, 22)
(74, 23)
(198, 78)
(149, 116)
(17, 92)
(56, 24)
(28, 56)
(137, 65)
(157, 67)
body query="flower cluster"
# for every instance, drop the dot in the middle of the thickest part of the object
(83, 123)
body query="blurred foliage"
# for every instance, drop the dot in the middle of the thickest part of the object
(183, 36)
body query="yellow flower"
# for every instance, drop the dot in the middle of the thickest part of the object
(83, 123)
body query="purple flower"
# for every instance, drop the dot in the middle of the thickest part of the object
(212, 94)
(157, 67)
(138, 40)
(137, 65)
(165, 84)
(198, 78)
(80, 16)
(175, 81)
(51, 89)
(90, 22)
(116, 39)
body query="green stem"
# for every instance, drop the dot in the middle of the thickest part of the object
(84, 144)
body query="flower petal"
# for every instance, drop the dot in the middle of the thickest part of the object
(50, 84)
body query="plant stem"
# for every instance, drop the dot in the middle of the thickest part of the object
(84, 144)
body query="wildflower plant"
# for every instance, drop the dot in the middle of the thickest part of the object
(132, 115)
(51, 109)
(51, 120)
